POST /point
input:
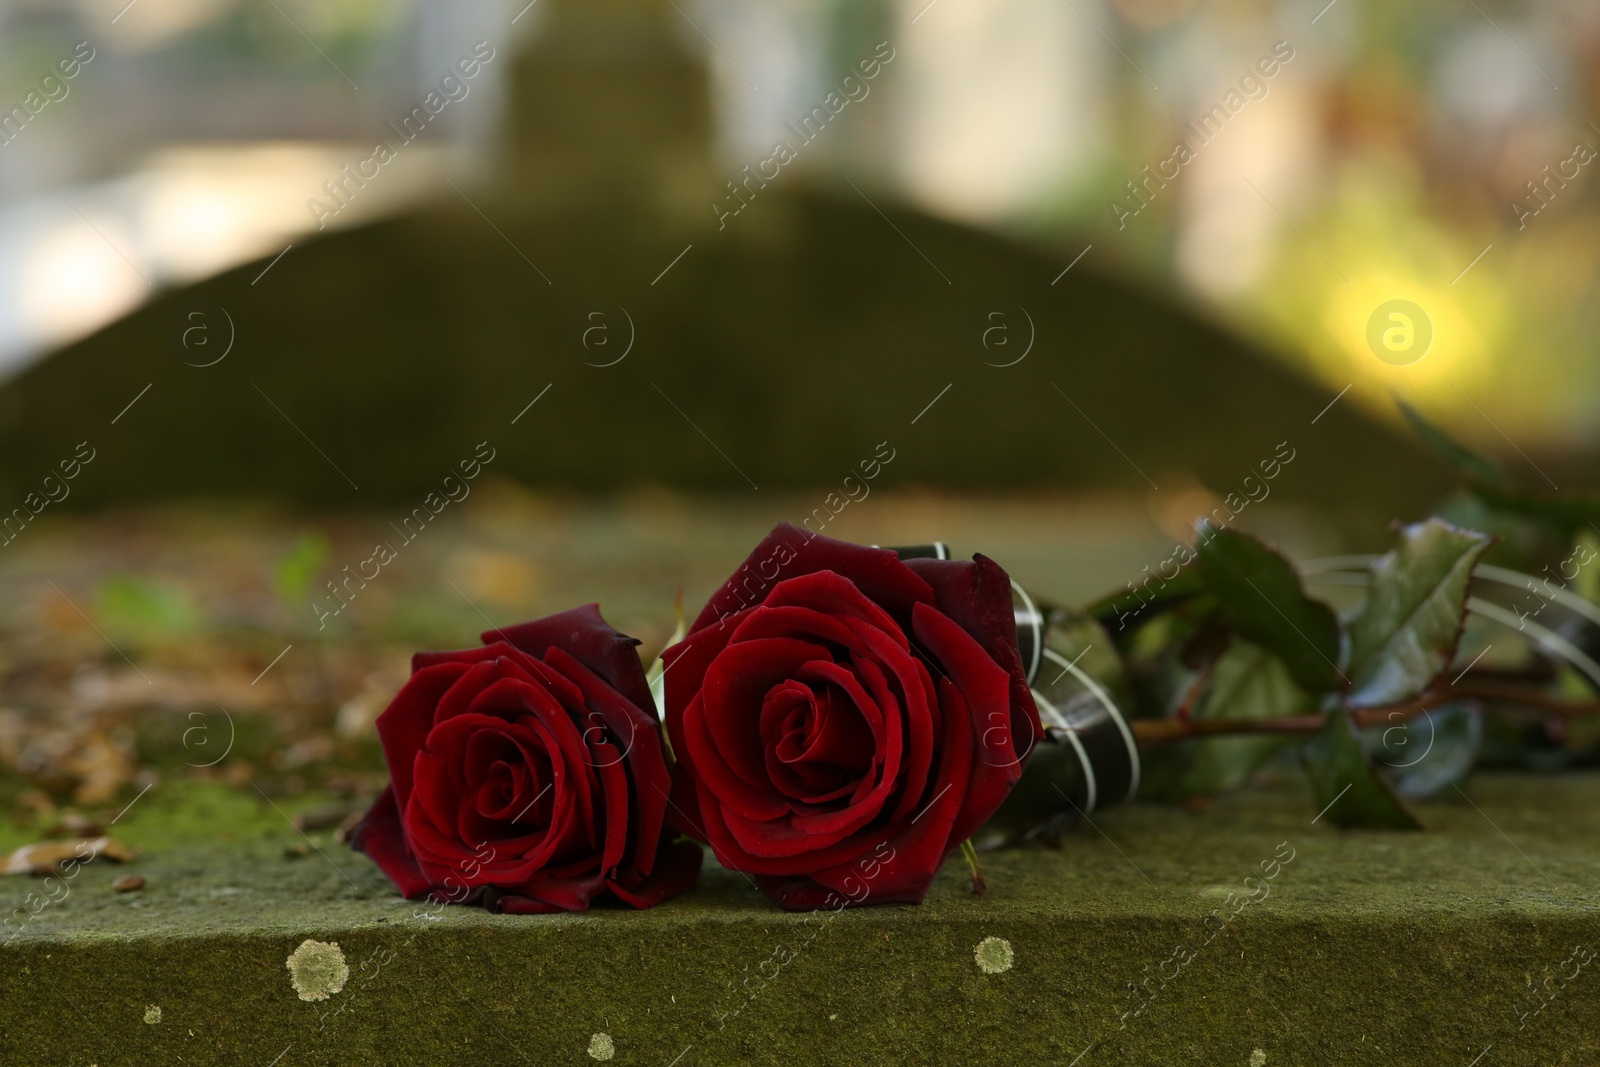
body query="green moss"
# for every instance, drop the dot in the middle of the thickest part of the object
(1369, 948)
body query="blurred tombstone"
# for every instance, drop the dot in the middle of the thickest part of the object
(615, 305)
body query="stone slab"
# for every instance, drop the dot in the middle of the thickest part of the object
(1368, 947)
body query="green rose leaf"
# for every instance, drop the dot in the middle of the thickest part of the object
(1458, 456)
(1406, 631)
(1124, 611)
(1587, 584)
(1248, 683)
(1262, 598)
(1563, 516)
(1347, 790)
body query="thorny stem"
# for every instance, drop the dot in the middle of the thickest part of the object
(1192, 697)
(1150, 732)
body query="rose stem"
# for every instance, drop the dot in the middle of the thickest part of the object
(1150, 732)
(970, 854)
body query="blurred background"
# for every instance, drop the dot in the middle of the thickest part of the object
(684, 269)
(1398, 144)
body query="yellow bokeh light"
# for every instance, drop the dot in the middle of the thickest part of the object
(1458, 351)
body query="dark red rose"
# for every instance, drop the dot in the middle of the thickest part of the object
(843, 720)
(528, 774)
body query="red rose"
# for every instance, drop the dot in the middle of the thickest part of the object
(845, 719)
(527, 773)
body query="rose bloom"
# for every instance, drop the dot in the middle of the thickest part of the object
(833, 705)
(528, 774)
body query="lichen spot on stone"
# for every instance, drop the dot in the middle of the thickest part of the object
(601, 1048)
(1258, 1058)
(152, 1014)
(317, 969)
(994, 955)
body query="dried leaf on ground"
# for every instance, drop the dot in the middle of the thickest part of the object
(49, 857)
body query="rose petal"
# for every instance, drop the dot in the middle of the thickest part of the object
(721, 727)
(465, 656)
(380, 837)
(686, 663)
(733, 690)
(467, 688)
(977, 597)
(676, 868)
(922, 845)
(722, 786)
(788, 552)
(887, 744)
(585, 636)
(987, 694)
(832, 596)
(614, 800)
(404, 724)
(796, 622)
(545, 895)
(641, 747)
(803, 764)
(512, 691)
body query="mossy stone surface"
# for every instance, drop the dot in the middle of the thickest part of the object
(1420, 948)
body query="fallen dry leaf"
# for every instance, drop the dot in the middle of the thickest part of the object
(73, 825)
(47, 857)
(320, 818)
(347, 828)
(102, 767)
